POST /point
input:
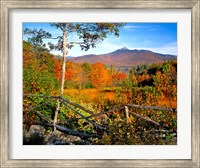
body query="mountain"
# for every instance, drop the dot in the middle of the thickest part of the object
(125, 57)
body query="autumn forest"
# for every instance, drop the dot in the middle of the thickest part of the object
(100, 104)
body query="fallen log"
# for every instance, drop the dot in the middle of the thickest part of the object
(65, 129)
(72, 132)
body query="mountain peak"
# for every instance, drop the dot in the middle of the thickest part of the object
(123, 49)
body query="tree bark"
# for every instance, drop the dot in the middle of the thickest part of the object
(64, 60)
(63, 75)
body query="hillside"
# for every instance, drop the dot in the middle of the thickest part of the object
(125, 57)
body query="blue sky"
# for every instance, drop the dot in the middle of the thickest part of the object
(157, 37)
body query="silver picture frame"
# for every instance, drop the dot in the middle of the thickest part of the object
(6, 5)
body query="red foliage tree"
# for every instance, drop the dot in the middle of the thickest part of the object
(118, 77)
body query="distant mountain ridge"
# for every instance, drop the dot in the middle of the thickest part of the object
(125, 57)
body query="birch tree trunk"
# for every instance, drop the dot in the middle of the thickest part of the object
(64, 60)
(63, 75)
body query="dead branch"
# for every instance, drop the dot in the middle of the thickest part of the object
(96, 125)
(151, 107)
(40, 105)
(45, 96)
(76, 105)
(144, 118)
(44, 117)
(105, 112)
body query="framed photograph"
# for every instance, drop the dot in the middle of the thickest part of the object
(100, 84)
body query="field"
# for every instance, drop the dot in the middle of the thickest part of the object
(110, 96)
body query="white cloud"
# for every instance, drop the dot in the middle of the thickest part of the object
(153, 29)
(148, 41)
(108, 45)
(170, 48)
(131, 27)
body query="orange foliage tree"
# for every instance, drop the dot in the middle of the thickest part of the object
(99, 75)
(74, 73)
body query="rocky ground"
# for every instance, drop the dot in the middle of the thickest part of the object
(38, 135)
